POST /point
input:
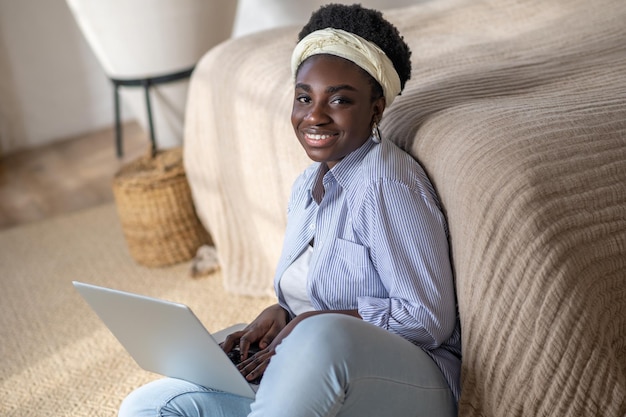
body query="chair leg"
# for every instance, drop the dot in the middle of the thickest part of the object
(146, 83)
(146, 86)
(118, 123)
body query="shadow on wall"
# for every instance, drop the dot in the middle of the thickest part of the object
(51, 86)
(11, 123)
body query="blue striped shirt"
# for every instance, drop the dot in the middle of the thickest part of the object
(380, 247)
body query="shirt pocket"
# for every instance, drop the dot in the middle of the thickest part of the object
(352, 254)
(345, 274)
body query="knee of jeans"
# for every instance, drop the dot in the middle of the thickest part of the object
(131, 406)
(141, 402)
(148, 399)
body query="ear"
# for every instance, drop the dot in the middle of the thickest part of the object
(378, 107)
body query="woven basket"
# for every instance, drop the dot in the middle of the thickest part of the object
(156, 210)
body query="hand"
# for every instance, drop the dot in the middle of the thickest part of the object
(254, 367)
(263, 330)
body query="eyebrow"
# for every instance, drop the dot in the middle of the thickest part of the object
(331, 89)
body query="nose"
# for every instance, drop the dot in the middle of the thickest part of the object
(317, 114)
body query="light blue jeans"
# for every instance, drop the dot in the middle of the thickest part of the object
(330, 365)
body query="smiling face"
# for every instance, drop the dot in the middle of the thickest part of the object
(333, 108)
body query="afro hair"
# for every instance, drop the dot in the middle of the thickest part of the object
(368, 24)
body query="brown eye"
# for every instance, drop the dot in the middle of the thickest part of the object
(341, 100)
(303, 99)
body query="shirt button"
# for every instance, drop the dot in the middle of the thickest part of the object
(312, 226)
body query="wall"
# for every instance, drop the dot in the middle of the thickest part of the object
(51, 85)
(255, 15)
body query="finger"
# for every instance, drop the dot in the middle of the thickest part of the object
(244, 345)
(248, 364)
(248, 339)
(231, 341)
(266, 340)
(255, 366)
(262, 356)
(268, 337)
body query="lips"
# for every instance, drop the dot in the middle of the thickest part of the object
(317, 136)
(319, 139)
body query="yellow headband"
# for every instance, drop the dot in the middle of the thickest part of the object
(362, 52)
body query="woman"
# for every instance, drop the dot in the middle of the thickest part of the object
(366, 323)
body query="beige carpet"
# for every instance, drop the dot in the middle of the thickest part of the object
(57, 358)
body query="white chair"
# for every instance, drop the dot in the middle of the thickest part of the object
(153, 44)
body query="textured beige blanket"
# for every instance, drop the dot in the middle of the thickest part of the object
(517, 110)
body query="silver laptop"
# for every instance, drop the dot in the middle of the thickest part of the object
(167, 338)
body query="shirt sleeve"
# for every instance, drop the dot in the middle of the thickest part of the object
(406, 234)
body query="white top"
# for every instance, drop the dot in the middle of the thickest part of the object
(293, 283)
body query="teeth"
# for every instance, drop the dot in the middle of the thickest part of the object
(318, 137)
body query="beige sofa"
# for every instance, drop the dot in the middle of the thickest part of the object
(517, 111)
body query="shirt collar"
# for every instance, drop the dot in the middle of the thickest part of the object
(344, 171)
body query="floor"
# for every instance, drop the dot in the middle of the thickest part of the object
(65, 176)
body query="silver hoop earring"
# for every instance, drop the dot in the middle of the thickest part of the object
(376, 133)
